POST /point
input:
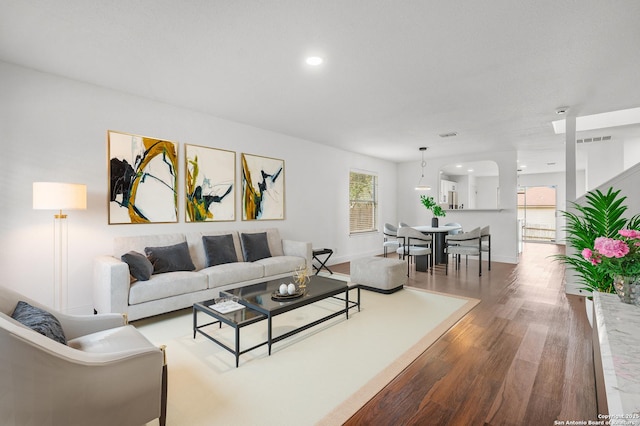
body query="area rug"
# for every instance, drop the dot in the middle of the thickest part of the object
(320, 376)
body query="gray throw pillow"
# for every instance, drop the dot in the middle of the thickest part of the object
(219, 249)
(255, 246)
(40, 321)
(170, 258)
(140, 267)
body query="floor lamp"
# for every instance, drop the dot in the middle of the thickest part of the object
(59, 196)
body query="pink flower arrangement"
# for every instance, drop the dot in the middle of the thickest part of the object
(616, 256)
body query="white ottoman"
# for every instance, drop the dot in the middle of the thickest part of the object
(380, 274)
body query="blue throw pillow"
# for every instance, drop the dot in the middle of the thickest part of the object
(39, 320)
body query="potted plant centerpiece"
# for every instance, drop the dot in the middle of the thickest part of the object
(619, 258)
(435, 208)
(605, 244)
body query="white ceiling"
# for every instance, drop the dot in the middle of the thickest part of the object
(396, 73)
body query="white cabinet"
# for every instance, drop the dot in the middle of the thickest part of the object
(446, 186)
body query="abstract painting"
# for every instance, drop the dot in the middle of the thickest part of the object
(262, 188)
(143, 176)
(210, 184)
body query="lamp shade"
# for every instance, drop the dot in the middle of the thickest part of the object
(59, 196)
(422, 187)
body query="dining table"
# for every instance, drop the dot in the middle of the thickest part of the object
(438, 233)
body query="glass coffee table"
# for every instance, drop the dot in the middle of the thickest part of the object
(259, 305)
(258, 297)
(236, 319)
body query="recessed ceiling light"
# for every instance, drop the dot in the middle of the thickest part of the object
(458, 165)
(562, 110)
(523, 166)
(469, 170)
(314, 61)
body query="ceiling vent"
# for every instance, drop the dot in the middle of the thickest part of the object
(448, 135)
(596, 139)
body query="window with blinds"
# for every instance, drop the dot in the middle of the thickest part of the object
(363, 202)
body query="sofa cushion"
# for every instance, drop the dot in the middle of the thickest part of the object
(140, 267)
(118, 339)
(219, 249)
(166, 285)
(275, 242)
(230, 273)
(122, 245)
(170, 258)
(40, 321)
(255, 246)
(280, 264)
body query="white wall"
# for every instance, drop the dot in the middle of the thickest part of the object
(604, 161)
(631, 152)
(486, 194)
(54, 129)
(503, 222)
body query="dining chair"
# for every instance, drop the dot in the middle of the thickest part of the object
(467, 244)
(454, 231)
(413, 245)
(485, 239)
(390, 238)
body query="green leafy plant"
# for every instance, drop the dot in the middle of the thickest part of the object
(431, 204)
(600, 217)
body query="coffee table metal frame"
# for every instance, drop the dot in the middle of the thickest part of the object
(236, 319)
(258, 297)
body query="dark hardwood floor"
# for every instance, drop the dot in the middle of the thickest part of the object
(522, 356)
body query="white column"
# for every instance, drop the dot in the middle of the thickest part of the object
(571, 286)
(570, 158)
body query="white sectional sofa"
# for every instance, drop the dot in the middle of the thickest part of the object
(115, 290)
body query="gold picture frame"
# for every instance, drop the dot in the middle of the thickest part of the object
(263, 188)
(209, 184)
(143, 179)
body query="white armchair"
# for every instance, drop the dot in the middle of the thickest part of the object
(107, 374)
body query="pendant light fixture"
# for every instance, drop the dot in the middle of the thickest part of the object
(422, 186)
